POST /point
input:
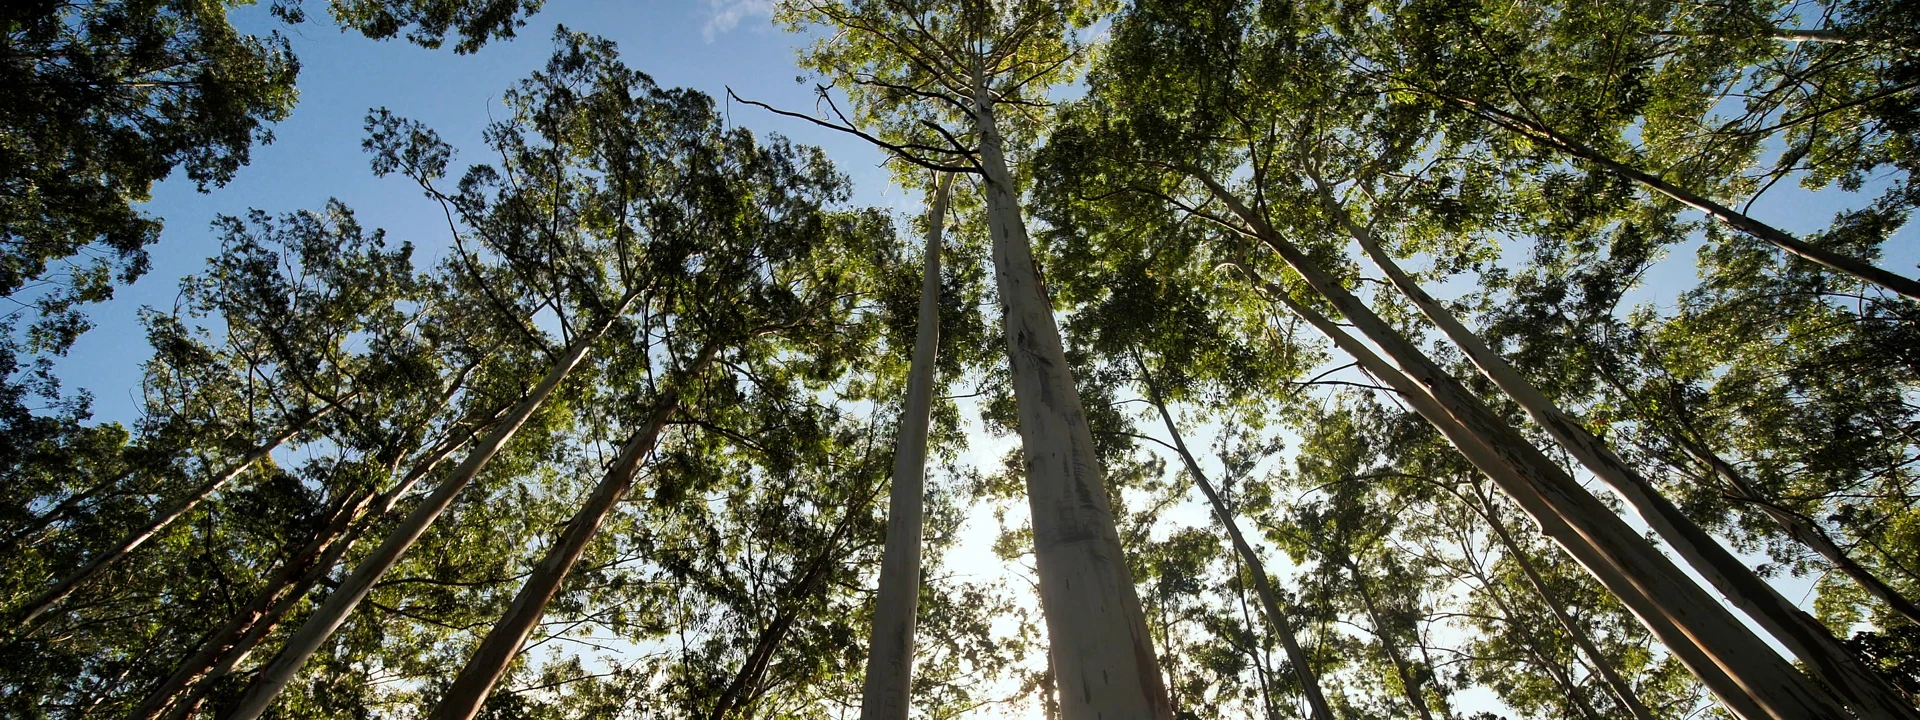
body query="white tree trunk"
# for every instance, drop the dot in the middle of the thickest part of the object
(45, 601)
(890, 648)
(1654, 615)
(1103, 658)
(331, 614)
(489, 661)
(1803, 635)
(1269, 599)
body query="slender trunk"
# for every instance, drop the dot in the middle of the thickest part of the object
(1408, 685)
(1603, 667)
(1858, 269)
(40, 605)
(1575, 697)
(489, 661)
(1695, 628)
(1798, 35)
(890, 647)
(318, 627)
(38, 528)
(1808, 533)
(226, 649)
(1513, 621)
(178, 687)
(1803, 635)
(1103, 655)
(1269, 599)
(1258, 653)
(746, 683)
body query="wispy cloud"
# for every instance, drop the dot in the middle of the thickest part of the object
(725, 15)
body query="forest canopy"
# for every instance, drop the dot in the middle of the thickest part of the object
(1276, 359)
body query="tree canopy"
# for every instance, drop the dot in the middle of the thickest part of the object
(1262, 358)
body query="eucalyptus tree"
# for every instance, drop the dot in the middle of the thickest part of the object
(310, 306)
(1236, 108)
(954, 86)
(584, 228)
(303, 292)
(629, 207)
(889, 678)
(294, 334)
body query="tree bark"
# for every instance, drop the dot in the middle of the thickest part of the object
(1808, 533)
(889, 678)
(489, 661)
(1804, 636)
(1603, 667)
(1269, 598)
(1858, 269)
(746, 683)
(182, 692)
(318, 627)
(38, 606)
(1103, 656)
(1409, 686)
(1730, 660)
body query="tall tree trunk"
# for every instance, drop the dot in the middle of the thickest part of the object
(33, 609)
(884, 696)
(318, 627)
(1409, 685)
(39, 527)
(489, 661)
(188, 686)
(1269, 599)
(1804, 636)
(1102, 652)
(1858, 269)
(1601, 666)
(746, 683)
(1723, 654)
(1808, 532)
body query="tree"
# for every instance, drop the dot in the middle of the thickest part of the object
(889, 677)
(948, 84)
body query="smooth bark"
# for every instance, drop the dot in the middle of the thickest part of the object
(889, 678)
(1409, 686)
(1263, 587)
(1601, 665)
(1856, 268)
(1804, 636)
(216, 657)
(1103, 657)
(331, 614)
(1809, 533)
(489, 661)
(33, 609)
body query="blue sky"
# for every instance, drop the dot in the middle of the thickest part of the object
(707, 45)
